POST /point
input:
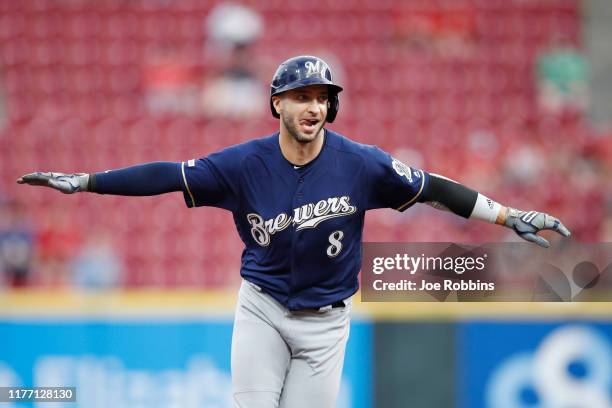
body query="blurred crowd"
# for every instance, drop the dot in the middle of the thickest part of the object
(495, 97)
(55, 254)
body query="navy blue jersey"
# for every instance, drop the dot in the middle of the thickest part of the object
(302, 228)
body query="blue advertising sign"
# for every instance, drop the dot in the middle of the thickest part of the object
(535, 364)
(147, 364)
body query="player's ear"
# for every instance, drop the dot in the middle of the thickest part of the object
(276, 102)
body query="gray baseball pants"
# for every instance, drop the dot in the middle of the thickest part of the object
(284, 359)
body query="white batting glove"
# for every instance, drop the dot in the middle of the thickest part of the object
(66, 183)
(528, 223)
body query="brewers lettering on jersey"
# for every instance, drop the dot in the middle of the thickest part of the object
(298, 198)
(307, 216)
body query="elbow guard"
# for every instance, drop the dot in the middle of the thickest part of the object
(456, 197)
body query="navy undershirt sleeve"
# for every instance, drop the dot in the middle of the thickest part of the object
(140, 180)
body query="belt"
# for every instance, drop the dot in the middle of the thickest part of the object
(334, 305)
(323, 309)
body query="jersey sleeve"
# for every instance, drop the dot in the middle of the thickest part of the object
(213, 180)
(392, 184)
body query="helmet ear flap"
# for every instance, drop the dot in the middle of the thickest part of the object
(333, 105)
(273, 109)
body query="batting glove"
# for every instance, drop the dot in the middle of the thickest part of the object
(528, 223)
(66, 183)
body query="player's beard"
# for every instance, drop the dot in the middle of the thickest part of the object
(291, 126)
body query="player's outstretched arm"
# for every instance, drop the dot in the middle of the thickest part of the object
(443, 193)
(139, 180)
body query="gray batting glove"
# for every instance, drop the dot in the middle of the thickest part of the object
(528, 223)
(66, 183)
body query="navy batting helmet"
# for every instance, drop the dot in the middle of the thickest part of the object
(301, 71)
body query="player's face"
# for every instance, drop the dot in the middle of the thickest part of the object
(303, 111)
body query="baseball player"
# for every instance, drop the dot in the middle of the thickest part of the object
(298, 198)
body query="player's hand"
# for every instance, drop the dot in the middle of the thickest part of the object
(528, 223)
(66, 183)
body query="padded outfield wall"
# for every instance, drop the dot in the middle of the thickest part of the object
(162, 349)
